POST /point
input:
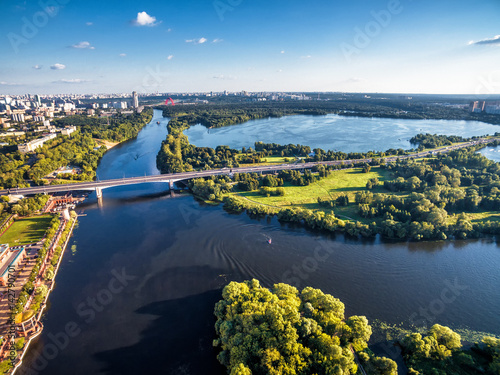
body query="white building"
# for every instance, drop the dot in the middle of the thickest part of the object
(135, 99)
(39, 118)
(33, 145)
(68, 130)
(18, 117)
(120, 105)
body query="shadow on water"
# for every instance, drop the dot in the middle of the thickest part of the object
(167, 345)
(114, 201)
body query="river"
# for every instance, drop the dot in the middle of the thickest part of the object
(137, 286)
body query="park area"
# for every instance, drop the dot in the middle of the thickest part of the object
(27, 230)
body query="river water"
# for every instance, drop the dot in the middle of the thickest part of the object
(137, 285)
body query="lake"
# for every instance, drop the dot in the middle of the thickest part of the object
(333, 132)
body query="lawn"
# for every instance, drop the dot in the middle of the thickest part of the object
(271, 160)
(347, 181)
(25, 231)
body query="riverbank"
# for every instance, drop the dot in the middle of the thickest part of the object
(44, 284)
(108, 144)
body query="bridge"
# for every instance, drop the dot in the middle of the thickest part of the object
(170, 178)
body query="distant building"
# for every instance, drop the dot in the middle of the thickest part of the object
(38, 118)
(135, 99)
(11, 134)
(19, 117)
(68, 130)
(67, 107)
(477, 106)
(492, 107)
(37, 100)
(33, 145)
(120, 105)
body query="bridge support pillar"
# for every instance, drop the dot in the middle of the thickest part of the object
(171, 185)
(98, 193)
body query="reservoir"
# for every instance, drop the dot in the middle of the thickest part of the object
(142, 273)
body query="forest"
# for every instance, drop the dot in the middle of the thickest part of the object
(439, 351)
(427, 199)
(223, 114)
(281, 330)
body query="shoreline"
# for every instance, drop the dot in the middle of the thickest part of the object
(38, 323)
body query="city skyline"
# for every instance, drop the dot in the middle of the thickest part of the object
(62, 46)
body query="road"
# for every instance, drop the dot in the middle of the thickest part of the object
(92, 185)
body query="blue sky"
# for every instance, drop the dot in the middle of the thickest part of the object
(406, 46)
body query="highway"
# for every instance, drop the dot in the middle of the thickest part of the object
(102, 184)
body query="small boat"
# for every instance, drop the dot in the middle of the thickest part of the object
(269, 241)
(158, 122)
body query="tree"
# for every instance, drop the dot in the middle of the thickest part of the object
(283, 331)
(445, 336)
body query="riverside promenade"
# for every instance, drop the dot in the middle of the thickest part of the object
(32, 327)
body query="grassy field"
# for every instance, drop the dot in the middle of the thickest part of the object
(483, 216)
(271, 160)
(347, 181)
(25, 231)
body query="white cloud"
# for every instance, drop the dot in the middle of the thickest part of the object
(123, 54)
(144, 19)
(169, 30)
(494, 40)
(196, 41)
(223, 77)
(74, 80)
(37, 67)
(217, 40)
(170, 57)
(83, 45)
(3, 83)
(58, 66)
(282, 51)
(89, 23)
(306, 57)
(279, 70)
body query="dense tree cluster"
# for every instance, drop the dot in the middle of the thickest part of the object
(460, 181)
(117, 128)
(27, 206)
(283, 331)
(211, 188)
(440, 352)
(80, 150)
(216, 115)
(434, 140)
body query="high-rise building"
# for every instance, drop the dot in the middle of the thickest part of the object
(135, 99)
(19, 117)
(37, 100)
